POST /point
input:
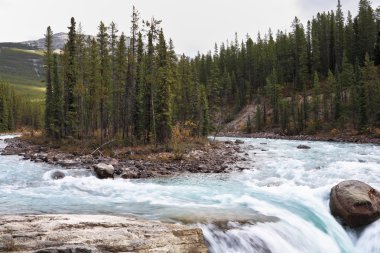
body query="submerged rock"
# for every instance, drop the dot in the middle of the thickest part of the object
(57, 175)
(355, 203)
(103, 170)
(303, 147)
(95, 233)
(239, 142)
(68, 163)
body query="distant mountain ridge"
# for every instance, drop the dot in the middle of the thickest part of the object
(21, 63)
(59, 40)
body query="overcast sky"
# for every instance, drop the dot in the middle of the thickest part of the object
(192, 24)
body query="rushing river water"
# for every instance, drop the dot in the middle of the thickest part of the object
(280, 205)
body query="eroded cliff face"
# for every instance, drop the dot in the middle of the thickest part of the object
(95, 233)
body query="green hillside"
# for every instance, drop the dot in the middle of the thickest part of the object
(22, 67)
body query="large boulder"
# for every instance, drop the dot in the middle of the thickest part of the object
(355, 203)
(103, 170)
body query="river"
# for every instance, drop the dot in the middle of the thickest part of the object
(279, 205)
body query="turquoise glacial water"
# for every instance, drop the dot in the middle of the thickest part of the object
(279, 205)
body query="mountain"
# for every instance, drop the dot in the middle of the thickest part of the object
(59, 40)
(22, 67)
(21, 63)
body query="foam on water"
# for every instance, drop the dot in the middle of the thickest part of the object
(286, 190)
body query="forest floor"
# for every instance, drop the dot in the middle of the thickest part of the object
(133, 163)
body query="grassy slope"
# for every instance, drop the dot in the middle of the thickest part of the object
(22, 68)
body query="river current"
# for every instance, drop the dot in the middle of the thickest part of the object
(280, 204)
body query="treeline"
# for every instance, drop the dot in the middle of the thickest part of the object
(313, 78)
(130, 88)
(16, 112)
(137, 89)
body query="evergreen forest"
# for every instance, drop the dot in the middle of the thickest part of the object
(320, 76)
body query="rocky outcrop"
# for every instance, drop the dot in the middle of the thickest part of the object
(355, 203)
(95, 233)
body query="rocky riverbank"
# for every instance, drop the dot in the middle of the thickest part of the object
(95, 234)
(217, 157)
(332, 138)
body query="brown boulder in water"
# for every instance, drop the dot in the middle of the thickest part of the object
(356, 203)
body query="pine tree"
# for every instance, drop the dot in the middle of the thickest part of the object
(4, 108)
(70, 78)
(105, 81)
(79, 89)
(119, 86)
(316, 98)
(259, 124)
(300, 54)
(361, 99)
(58, 111)
(94, 85)
(130, 87)
(149, 89)
(113, 43)
(366, 30)
(140, 79)
(249, 127)
(163, 96)
(376, 53)
(339, 38)
(371, 86)
(205, 112)
(48, 57)
(309, 51)
(315, 45)
(337, 100)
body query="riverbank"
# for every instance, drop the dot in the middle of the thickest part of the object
(95, 234)
(363, 139)
(213, 157)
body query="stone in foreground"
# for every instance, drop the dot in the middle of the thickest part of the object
(357, 204)
(95, 233)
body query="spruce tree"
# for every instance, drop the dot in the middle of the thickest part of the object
(70, 78)
(316, 98)
(163, 96)
(119, 87)
(49, 102)
(300, 54)
(140, 79)
(366, 30)
(58, 112)
(361, 99)
(105, 81)
(339, 38)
